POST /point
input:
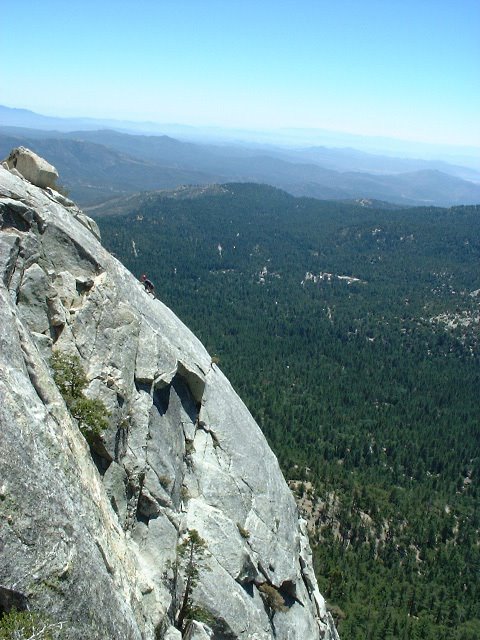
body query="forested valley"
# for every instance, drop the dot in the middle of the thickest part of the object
(351, 331)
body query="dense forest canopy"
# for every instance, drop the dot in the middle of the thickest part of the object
(352, 334)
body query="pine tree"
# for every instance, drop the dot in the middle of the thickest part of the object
(191, 554)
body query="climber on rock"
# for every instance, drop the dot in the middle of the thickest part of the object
(148, 284)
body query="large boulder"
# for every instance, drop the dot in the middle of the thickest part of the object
(32, 167)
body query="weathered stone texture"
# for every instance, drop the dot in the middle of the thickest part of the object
(32, 167)
(91, 536)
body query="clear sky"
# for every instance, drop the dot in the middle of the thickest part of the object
(403, 68)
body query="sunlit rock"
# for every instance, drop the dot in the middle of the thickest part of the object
(90, 534)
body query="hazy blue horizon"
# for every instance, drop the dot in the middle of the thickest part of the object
(404, 70)
(289, 138)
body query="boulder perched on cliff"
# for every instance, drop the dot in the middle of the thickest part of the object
(32, 167)
(90, 535)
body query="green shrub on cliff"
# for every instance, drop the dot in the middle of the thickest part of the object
(91, 414)
(26, 625)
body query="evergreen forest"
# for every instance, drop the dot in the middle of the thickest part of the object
(351, 331)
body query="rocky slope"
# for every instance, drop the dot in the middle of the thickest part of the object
(89, 536)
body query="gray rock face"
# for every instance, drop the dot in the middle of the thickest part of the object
(32, 167)
(90, 536)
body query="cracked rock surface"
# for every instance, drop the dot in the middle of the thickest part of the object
(90, 535)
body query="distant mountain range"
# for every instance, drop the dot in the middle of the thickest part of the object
(467, 156)
(99, 164)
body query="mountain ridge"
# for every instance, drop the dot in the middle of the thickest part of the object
(285, 137)
(141, 163)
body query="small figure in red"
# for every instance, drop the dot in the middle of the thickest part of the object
(148, 284)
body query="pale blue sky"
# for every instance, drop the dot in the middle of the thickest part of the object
(403, 68)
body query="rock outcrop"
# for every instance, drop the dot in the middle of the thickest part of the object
(24, 162)
(89, 535)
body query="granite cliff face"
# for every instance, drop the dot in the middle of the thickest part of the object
(90, 537)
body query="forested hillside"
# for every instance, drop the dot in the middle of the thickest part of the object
(352, 334)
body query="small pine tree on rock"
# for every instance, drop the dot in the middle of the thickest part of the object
(191, 554)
